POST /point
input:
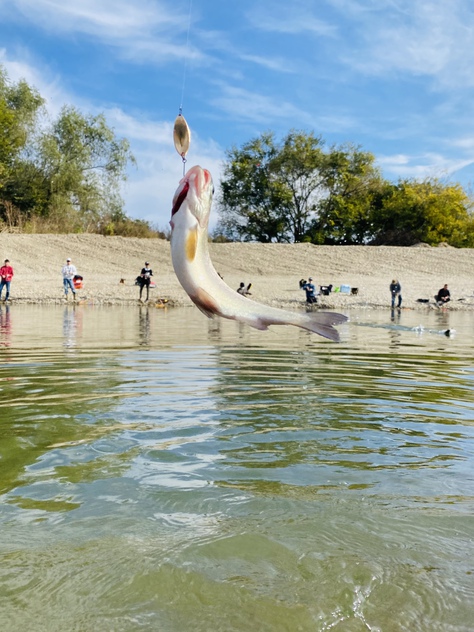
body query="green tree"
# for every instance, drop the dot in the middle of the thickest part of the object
(430, 212)
(64, 176)
(83, 163)
(246, 206)
(297, 190)
(269, 190)
(299, 171)
(19, 107)
(352, 185)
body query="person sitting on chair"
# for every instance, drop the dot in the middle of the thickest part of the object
(310, 291)
(244, 290)
(443, 295)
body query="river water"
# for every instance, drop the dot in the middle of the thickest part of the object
(160, 471)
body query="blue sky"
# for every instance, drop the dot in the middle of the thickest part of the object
(393, 76)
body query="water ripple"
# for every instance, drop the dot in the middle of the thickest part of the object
(162, 472)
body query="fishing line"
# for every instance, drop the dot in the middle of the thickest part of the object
(181, 131)
(186, 56)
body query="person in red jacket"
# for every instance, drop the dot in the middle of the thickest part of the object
(6, 274)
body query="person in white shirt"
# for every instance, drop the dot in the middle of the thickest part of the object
(69, 271)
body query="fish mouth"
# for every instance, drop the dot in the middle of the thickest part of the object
(180, 198)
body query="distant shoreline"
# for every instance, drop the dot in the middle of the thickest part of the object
(273, 269)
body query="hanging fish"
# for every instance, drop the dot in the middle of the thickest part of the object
(181, 136)
(197, 275)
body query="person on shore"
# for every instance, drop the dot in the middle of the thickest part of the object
(310, 290)
(6, 275)
(443, 296)
(68, 272)
(145, 276)
(245, 291)
(396, 292)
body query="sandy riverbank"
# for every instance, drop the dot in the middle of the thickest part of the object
(273, 269)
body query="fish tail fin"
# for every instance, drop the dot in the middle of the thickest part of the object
(322, 323)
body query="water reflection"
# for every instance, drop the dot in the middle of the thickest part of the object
(72, 325)
(442, 319)
(144, 326)
(5, 326)
(395, 334)
(395, 315)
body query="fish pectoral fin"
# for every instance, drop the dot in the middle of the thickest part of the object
(204, 301)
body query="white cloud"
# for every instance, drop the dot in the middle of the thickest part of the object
(147, 30)
(160, 133)
(117, 19)
(271, 63)
(290, 18)
(396, 160)
(427, 37)
(464, 143)
(271, 112)
(431, 38)
(429, 165)
(241, 104)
